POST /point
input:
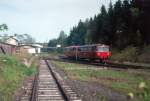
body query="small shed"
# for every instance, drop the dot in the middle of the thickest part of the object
(30, 48)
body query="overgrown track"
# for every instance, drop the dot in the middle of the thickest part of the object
(26, 92)
(34, 88)
(47, 87)
(107, 64)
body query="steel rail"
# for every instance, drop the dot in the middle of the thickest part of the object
(57, 82)
(108, 64)
(34, 87)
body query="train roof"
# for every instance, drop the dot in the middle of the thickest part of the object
(72, 46)
(90, 45)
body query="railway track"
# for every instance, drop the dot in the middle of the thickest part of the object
(26, 91)
(108, 64)
(47, 87)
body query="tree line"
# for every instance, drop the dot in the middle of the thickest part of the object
(124, 23)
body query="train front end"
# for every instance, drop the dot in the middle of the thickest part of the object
(103, 52)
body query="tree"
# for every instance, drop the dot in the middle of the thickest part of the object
(141, 9)
(52, 43)
(77, 34)
(3, 27)
(62, 38)
(111, 24)
(123, 24)
(25, 38)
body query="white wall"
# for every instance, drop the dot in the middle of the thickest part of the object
(34, 50)
(39, 50)
(12, 41)
(31, 51)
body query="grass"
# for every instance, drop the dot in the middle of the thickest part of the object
(121, 81)
(12, 73)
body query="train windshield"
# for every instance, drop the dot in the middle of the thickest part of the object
(103, 49)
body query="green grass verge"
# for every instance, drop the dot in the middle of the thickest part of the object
(12, 72)
(121, 81)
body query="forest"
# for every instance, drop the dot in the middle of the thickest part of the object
(122, 24)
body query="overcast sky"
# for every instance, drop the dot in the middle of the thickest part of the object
(44, 19)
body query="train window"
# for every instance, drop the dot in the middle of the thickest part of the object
(69, 49)
(103, 49)
(89, 48)
(66, 49)
(82, 49)
(106, 49)
(79, 49)
(93, 48)
(85, 48)
(74, 49)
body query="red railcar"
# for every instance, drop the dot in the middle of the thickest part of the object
(91, 52)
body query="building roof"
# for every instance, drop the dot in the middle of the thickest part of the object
(3, 43)
(31, 45)
(12, 37)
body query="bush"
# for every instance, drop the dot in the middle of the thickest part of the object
(128, 54)
(145, 55)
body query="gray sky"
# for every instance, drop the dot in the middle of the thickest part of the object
(44, 19)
